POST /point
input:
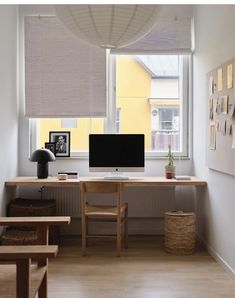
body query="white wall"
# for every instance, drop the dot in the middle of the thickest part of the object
(215, 44)
(8, 98)
(164, 88)
(142, 202)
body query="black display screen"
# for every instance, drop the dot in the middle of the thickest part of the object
(116, 150)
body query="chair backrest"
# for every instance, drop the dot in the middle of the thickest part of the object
(101, 187)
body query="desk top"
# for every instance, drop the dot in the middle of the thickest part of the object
(50, 181)
(133, 181)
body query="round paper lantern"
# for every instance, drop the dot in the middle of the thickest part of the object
(109, 26)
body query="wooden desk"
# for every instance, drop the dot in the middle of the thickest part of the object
(133, 181)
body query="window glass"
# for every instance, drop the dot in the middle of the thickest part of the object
(79, 134)
(147, 92)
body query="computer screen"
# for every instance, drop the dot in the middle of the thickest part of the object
(116, 152)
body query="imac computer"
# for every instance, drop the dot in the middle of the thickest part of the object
(116, 153)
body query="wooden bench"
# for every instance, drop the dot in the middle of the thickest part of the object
(30, 280)
(41, 222)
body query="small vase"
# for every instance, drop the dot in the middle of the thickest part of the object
(170, 172)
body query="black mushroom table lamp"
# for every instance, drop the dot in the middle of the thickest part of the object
(42, 156)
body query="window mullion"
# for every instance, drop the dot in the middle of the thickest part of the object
(111, 87)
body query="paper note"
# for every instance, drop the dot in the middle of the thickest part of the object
(211, 85)
(233, 134)
(211, 108)
(220, 79)
(218, 106)
(228, 127)
(217, 125)
(224, 104)
(223, 127)
(212, 136)
(231, 110)
(230, 76)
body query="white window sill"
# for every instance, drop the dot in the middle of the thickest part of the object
(84, 155)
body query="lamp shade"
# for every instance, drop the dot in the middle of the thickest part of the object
(109, 26)
(42, 156)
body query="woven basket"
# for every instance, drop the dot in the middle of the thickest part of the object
(19, 237)
(31, 207)
(180, 236)
(28, 235)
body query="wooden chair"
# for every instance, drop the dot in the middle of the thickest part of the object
(117, 213)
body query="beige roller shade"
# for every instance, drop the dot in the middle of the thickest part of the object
(170, 35)
(64, 76)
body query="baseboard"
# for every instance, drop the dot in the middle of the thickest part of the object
(217, 257)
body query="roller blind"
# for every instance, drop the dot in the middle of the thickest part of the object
(170, 35)
(64, 76)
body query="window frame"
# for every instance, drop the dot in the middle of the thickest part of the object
(185, 79)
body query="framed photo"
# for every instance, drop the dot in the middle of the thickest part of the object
(50, 146)
(62, 142)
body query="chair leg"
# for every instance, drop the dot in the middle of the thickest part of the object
(86, 231)
(84, 236)
(119, 238)
(126, 227)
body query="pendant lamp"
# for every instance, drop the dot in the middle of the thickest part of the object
(109, 26)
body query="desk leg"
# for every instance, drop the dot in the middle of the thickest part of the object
(23, 278)
(42, 234)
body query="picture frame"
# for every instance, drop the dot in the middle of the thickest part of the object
(62, 142)
(51, 146)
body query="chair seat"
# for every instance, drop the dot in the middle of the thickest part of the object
(103, 211)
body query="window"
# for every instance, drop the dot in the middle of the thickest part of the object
(152, 93)
(147, 94)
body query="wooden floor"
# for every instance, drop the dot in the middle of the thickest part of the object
(144, 271)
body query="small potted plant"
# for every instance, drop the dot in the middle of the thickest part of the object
(170, 168)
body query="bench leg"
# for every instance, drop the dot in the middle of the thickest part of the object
(42, 234)
(42, 291)
(23, 278)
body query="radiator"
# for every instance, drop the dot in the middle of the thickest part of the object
(67, 200)
(143, 202)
